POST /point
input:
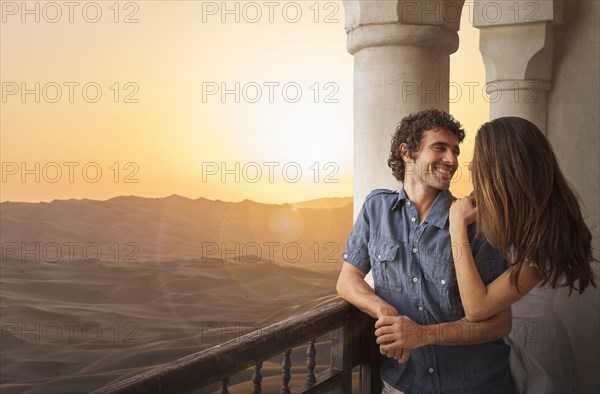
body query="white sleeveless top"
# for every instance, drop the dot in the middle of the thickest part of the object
(541, 359)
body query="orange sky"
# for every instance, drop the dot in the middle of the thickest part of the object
(130, 100)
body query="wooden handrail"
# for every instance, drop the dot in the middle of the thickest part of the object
(222, 361)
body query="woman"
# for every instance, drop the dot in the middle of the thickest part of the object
(527, 210)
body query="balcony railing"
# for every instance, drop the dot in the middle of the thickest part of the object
(352, 344)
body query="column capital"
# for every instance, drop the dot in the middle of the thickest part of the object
(488, 13)
(516, 43)
(429, 23)
(517, 52)
(516, 39)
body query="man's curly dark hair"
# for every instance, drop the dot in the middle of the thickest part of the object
(410, 132)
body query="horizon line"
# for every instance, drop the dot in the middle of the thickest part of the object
(172, 195)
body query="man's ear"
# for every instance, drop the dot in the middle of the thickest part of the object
(404, 153)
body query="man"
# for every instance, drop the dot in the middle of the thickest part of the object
(403, 237)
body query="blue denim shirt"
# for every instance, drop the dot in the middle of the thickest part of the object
(413, 270)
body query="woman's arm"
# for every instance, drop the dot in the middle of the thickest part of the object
(481, 301)
(400, 332)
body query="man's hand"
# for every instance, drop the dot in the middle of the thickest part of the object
(398, 332)
(386, 309)
(352, 287)
(400, 355)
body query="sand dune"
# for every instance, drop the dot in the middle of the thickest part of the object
(75, 324)
(134, 229)
(324, 203)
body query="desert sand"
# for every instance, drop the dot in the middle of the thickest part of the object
(74, 324)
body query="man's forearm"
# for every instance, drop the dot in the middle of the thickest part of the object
(367, 301)
(352, 287)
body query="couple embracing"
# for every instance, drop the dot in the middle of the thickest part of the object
(461, 285)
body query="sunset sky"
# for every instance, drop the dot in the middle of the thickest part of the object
(130, 100)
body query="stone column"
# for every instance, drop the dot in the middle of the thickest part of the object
(401, 65)
(516, 41)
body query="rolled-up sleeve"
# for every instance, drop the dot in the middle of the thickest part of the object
(356, 251)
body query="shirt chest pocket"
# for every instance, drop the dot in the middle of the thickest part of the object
(440, 278)
(385, 264)
(439, 271)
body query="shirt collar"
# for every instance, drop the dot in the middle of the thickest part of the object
(401, 197)
(438, 214)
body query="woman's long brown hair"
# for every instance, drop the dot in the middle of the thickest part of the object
(526, 207)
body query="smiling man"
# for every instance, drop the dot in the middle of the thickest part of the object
(403, 237)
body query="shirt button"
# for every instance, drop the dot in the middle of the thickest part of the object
(379, 257)
(408, 203)
(430, 370)
(413, 220)
(415, 280)
(345, 256)
(443, 282)
(414, 250)
(421, 308)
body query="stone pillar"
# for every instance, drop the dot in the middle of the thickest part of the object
(516, 42)
(401, 65)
